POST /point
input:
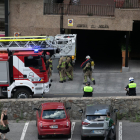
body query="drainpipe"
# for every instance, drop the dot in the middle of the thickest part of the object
(6, 17)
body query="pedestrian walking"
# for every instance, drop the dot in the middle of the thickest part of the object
(132, 87)
(88, 90)
(4, 124)
(62, 69)
(109, 134)
(69, 69)
(87, 69)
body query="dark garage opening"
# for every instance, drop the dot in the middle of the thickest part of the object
(104, 47)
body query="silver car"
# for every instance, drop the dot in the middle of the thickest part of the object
(93, 120)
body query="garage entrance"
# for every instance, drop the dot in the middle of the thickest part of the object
(104, 47)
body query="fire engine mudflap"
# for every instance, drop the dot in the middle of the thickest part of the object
(23, 74)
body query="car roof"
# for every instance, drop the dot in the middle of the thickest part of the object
(52, 105)
(97, 109)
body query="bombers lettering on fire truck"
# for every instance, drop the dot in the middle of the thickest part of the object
(23, 70)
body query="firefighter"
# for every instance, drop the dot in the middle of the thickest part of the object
(88, 72)
(62, 69)
(49, 61)
(132, 87)
(88, 90)
(69, 68)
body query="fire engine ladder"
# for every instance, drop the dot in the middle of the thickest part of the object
(26, 43)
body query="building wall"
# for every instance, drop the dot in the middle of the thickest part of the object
(27, 18)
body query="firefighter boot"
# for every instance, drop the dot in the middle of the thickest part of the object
(60, 81)
(70, 79)
(93, 82)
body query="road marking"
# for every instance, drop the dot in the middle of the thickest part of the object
(72, 129)
(120, 130)
(24, 131)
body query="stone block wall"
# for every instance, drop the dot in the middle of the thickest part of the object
(23, 108)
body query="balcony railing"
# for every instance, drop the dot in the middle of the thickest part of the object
(127, 3)
(68, 9)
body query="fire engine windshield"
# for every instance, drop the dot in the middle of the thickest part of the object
(32, 62)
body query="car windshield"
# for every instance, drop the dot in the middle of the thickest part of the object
(54, 114)
(96, 117)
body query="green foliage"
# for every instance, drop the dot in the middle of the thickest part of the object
(123, 47)
(21, 115)
(119, 116)
(17, 120)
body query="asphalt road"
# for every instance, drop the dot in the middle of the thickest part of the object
(128, 131)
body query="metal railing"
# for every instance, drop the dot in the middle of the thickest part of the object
(127, 3)
(68, 9)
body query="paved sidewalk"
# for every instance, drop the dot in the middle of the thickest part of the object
(105, 83)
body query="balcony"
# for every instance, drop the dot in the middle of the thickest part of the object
(70, 9)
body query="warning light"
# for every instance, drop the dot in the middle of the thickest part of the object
(36, 51)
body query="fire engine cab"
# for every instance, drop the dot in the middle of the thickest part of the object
(23, 66)
(23, 74)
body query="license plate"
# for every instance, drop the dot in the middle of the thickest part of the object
(93, 131)
(54, 126)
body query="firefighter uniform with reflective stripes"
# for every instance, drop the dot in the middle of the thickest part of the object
(88, 91)
(69, 68)
(132, 89)
(62, 69)
(50, 68)
(88, 72)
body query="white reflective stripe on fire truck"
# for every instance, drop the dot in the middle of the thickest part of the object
(19, 65)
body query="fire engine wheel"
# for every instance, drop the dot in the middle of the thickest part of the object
(22, 93)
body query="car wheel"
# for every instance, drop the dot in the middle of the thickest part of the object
(69, 136)
(22, 93)
(82, 138)
(39, 136)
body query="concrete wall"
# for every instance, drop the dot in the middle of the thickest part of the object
(26, 17)
(23, 108)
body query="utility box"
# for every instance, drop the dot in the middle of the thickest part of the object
(55, 62)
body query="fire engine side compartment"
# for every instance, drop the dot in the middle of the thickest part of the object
(4, 73)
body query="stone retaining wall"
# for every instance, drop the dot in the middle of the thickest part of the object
(23, 108)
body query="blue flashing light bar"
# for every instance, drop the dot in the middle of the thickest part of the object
(36, 51)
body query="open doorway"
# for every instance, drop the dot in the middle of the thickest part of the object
(134, 61)
(104, 47)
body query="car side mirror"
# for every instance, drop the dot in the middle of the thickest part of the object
(81, 111)
(68, 107)
(116, 110)
(36, 109)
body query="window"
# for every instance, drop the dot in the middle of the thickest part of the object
(32, 62)
(96, 117)
(54, 114)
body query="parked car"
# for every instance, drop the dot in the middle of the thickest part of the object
(94, 120)
(52, 119)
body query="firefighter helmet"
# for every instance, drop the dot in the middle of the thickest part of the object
(131, 79)
(88, 57)
(47, 53)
